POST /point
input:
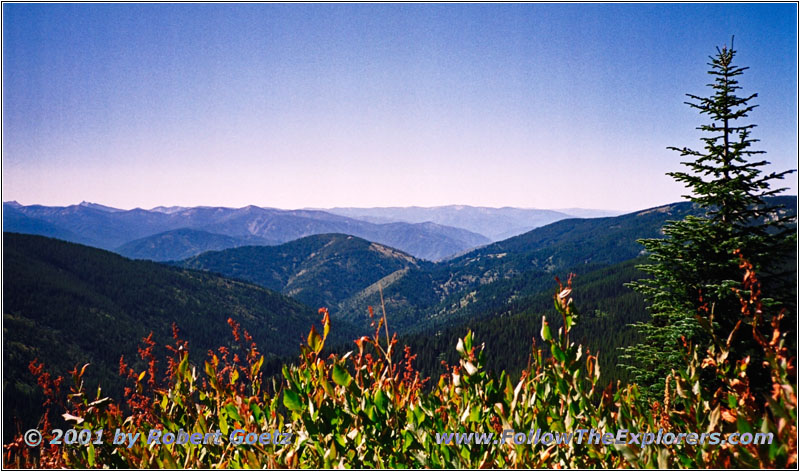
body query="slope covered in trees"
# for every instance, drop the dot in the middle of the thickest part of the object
(66, 305)
(609, 308)
(320, 270)
(485, 282)
(343, 274)
(184, 243)
(489, 281)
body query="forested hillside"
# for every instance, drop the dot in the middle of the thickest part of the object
(489, 281)
(183, 243)
(67, 305)
(608, 310)
(320, 270)
(482, 282)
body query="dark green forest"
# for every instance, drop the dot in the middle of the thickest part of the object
(608, 310)
(320, 270)
(66, 305)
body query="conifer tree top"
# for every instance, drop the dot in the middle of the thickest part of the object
(722, 177)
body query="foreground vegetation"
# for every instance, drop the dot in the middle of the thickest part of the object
(370, 407)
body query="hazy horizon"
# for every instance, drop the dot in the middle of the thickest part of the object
(330, 105)
(308, 207)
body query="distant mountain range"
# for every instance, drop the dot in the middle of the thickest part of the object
(149, 234)
(175, 233)
(494, 223)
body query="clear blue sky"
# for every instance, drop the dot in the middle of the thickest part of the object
(369, 105)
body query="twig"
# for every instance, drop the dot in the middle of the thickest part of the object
(385, 322)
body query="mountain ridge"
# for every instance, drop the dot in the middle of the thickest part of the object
(183, 243)
(319, 270)
(494, 223)
(110, 229)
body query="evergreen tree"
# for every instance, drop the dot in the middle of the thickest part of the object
(693, 269)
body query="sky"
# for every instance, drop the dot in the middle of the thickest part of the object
(323, 105)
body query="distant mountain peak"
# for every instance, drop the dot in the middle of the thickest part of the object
(168, 210)
(97, 206)
(589, 212)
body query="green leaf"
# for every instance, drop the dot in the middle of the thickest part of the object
(563, 389)
(407, 440)
(381, 401)
(419, 415)
(314, 340)
(326, 328)
(223, 422)
(570, 319)
(468, 341)
(258, 414)
(292, 401)
(326, 386)
(233, 413)
(475, 413)
(743, 426)
(370, 411)
(184, 365)
(558, 353)
(167, 461)
(341, 376)
(546, 334)
(257, 366)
